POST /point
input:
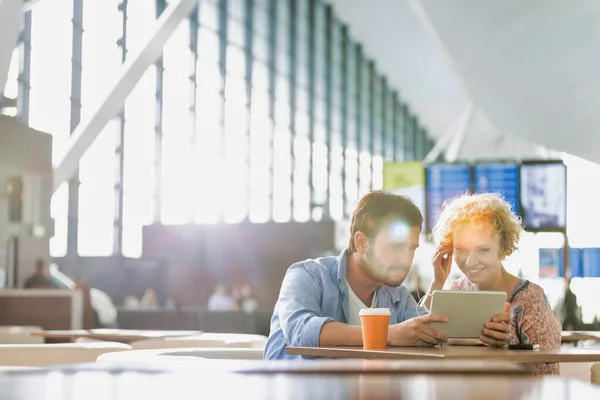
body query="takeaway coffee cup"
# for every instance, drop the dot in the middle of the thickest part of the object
(374, 323)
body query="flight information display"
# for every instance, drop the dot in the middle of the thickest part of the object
(575, 263)
(543, 195)
(502, 178)
(552, 263)
(443, 183)
(591, 263)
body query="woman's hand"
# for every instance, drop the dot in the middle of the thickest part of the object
(497, 331)
(442, 263)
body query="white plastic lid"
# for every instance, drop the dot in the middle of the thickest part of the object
(374, 311)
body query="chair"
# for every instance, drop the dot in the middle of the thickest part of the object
(43, 355)
(595, 372)
(226, 322)
(20, 335)
(262, 321)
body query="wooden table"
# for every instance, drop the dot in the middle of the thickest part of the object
(428, 366)
(67, 385)
(454, 353)
(112, 335)
(577, 336)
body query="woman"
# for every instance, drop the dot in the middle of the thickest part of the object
(480, 231)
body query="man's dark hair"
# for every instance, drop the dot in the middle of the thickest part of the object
(378, 207)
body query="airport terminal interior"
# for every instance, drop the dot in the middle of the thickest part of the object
(183, 187)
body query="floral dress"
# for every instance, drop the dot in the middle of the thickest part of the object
(532, 320)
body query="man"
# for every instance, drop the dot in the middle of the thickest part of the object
(40, 278)
(320, 299)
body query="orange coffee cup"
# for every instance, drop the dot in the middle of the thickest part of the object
(374, 323)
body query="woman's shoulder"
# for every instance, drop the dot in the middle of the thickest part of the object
(529, 299)
(527, 291)
(533, 317)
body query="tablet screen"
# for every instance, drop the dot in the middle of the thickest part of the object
(467, 311)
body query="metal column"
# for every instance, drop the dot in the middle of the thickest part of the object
(396, 123)
(272, 54)
(344, 98)
(312, 13)
(408, 134)
(76, 69)
(359, 110)
(120, 150)
(384, 122)
(193, 43)
(371, 119)
(24, 78)
(223, 73)
(158, 125)
(249, 46)
(416, 139)
(328, 105)
(293, 48)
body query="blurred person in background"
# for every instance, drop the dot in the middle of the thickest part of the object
(249, 303)
(40, 278)
(570, 309)
(236, 298)
(220, 300)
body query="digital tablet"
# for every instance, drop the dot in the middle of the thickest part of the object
(467, 311)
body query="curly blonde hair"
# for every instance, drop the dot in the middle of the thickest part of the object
(485, 208)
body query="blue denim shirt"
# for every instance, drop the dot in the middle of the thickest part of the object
(314, 292)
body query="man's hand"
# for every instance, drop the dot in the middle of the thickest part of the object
(416, 332)
(497, 330)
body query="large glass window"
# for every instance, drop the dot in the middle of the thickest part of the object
(102, 30)
(51, 36)
(140, 112)
(11, 88)
(178, 130)
(210, 132)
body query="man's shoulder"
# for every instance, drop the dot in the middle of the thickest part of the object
(317, 266)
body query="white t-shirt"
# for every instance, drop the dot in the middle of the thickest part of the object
(355, 305)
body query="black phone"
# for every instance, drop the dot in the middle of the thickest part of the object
(523, 346)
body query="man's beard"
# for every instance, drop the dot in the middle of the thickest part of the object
(375, 270)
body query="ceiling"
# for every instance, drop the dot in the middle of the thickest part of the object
(531, 69)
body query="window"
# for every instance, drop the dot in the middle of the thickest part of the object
(140, 111)
(231, 147)
(100, 68)
(178, 130)
(49, 97)
(12, 85)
